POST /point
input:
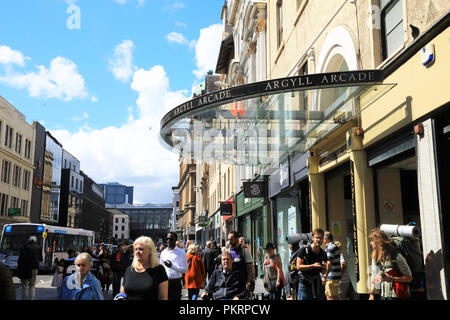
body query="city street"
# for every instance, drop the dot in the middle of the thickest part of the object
(44, 290)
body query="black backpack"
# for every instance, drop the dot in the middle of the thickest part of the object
(411, 250)
(293, 272)
(294, 275)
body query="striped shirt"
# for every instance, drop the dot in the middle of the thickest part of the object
(334, 255)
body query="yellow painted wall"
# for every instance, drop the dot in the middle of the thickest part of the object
(428, 89)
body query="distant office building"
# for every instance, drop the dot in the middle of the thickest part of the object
(150, 220)
(121, 225)
(94, 216)
(51, 187)
(72, 186)
(116, 193)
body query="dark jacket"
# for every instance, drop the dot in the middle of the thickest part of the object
(226, 287)
(208, 255)
(123, 264)
(7, 291)
(29, 259)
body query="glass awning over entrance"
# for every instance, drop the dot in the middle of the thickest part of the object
(262, 123)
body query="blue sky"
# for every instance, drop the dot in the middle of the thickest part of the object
(100, 79)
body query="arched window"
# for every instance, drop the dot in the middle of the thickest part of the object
(338, 54)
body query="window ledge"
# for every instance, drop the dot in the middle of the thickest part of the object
(391, 57)
(300, 11)
(280, 50)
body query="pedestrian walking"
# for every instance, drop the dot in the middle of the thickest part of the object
(388, 267)
(7, 291)
(82, 284)
(119, 261)
(105, 277)
(174, 261)
(345, 286)
(196, 274)
(242, 260)
(274, 280)
(27, 267)
(333, 273)
(208, 255)
(146, 278)
(311, 261)
(58, 276)
(243, 243)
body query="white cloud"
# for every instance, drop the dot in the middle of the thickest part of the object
(207, 49)
(180, 24)
(94, 99)
(174, 7)
(140, 2)
(175, 37)
(131, 153)
(122, 66)
(61, 80)
(9, 56)
(84, 116)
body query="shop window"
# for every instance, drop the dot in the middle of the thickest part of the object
(391, 26)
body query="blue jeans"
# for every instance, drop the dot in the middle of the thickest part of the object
(305, 292)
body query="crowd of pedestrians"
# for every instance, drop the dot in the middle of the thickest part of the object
(145, 270)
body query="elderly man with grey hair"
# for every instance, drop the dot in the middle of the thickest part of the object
(27, 267)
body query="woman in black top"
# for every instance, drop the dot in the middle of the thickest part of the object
(145, 279)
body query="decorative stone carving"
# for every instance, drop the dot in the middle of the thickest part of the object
(239, 79)
(251, 48)
(260, 26)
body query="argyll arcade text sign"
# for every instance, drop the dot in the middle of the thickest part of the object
(296, 83)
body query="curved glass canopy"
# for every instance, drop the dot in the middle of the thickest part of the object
(262, 123)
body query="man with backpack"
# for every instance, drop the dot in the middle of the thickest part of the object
(311, 262)
(242, 260)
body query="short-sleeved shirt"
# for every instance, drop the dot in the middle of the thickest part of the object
(334, 255)
(310, 257)
(386, 287)
(143, 285)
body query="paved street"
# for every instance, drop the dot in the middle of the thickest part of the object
(44, 290)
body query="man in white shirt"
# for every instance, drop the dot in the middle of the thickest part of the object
(174, 261)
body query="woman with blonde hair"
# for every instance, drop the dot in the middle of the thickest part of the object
(389, 267)
(196, 274)
(82, 284)
(145, 279)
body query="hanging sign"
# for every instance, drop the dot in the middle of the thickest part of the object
(255, 189)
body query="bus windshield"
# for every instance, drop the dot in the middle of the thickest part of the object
(13, 242)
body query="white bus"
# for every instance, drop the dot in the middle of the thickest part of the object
(54, 240)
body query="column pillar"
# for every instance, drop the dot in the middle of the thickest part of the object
(430, 213)
(363, 208)
(317, 195)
